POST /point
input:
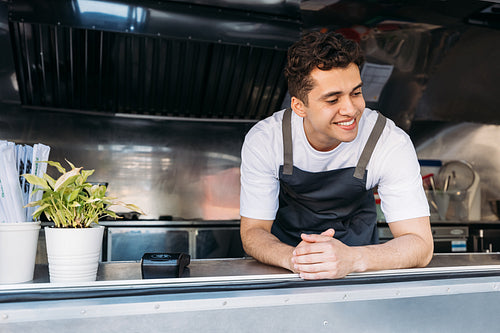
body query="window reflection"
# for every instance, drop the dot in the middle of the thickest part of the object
(92, 11)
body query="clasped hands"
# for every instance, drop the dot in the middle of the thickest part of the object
(320, 256)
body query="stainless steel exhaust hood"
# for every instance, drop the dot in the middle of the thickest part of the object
(197, 59)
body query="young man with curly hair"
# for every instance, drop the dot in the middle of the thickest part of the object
(308, 173)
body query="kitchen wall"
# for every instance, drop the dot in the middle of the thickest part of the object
(169, 143)
(181, 169)
(443, 91)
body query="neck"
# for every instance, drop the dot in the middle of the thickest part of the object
(320, 143)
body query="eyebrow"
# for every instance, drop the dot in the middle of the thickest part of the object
(333, 93)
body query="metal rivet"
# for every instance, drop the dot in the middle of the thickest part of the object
(157, 306)
(345, 297)
(83, 312)
(224, 303)
(397, 292)
(448, 290)
(325, 323)
(5, 316)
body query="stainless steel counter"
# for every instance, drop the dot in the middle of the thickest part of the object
(198, 268)
(456, 292)
(235, 268)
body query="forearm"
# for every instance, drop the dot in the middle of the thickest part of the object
(406, 251)
(323, 257)
(264, 246)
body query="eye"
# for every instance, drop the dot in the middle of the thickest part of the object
(357, 92)
(333, 101)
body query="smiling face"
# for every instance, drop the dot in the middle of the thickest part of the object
(334, 107)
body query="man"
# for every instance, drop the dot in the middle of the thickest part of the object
(307, 175)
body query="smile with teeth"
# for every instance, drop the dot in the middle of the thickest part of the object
(346, 123)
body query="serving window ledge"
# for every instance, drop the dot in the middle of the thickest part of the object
(455, 292)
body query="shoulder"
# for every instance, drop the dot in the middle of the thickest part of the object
(394, 153)
(264, 141)
(267, 128)
(265, 137)
(392, 135)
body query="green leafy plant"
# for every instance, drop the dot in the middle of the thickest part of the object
(70, 201)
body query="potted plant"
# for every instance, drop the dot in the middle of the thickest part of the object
(75, 206)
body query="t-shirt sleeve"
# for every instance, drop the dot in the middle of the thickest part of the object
(400, 186)
(259, 181)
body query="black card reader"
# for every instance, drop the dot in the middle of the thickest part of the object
(164, 265)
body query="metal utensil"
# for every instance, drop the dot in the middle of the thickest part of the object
(446, 183)
(433, 185)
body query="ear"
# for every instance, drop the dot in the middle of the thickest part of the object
(298, 107)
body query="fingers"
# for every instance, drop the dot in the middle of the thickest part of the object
(306, 247)
(322, 270)
(316, 244)
(329, 232)
(315, 253)
(311, 258)
(320, 275)
(325, 236)
(321, 257)
(311, 264)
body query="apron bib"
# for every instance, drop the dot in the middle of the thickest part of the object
(312, 202)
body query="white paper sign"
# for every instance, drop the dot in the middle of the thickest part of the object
(374, 78)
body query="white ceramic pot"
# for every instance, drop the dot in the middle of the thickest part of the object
(73, 253)
(18, 244)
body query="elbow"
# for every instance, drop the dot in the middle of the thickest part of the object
(252, 231)
(428, 253)
(244, 243)
(247, 231)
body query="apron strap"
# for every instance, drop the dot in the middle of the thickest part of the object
(287, 142)
(370, 146)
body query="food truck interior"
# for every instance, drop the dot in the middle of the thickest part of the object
(157, 97)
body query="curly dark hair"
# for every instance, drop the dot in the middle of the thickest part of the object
(318, 50)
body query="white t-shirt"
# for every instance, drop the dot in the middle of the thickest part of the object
(393, 166)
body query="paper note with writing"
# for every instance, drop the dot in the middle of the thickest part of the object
(374, 78)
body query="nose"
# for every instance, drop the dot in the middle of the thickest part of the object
(347, 107)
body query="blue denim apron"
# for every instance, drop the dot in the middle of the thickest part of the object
(312, 202)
